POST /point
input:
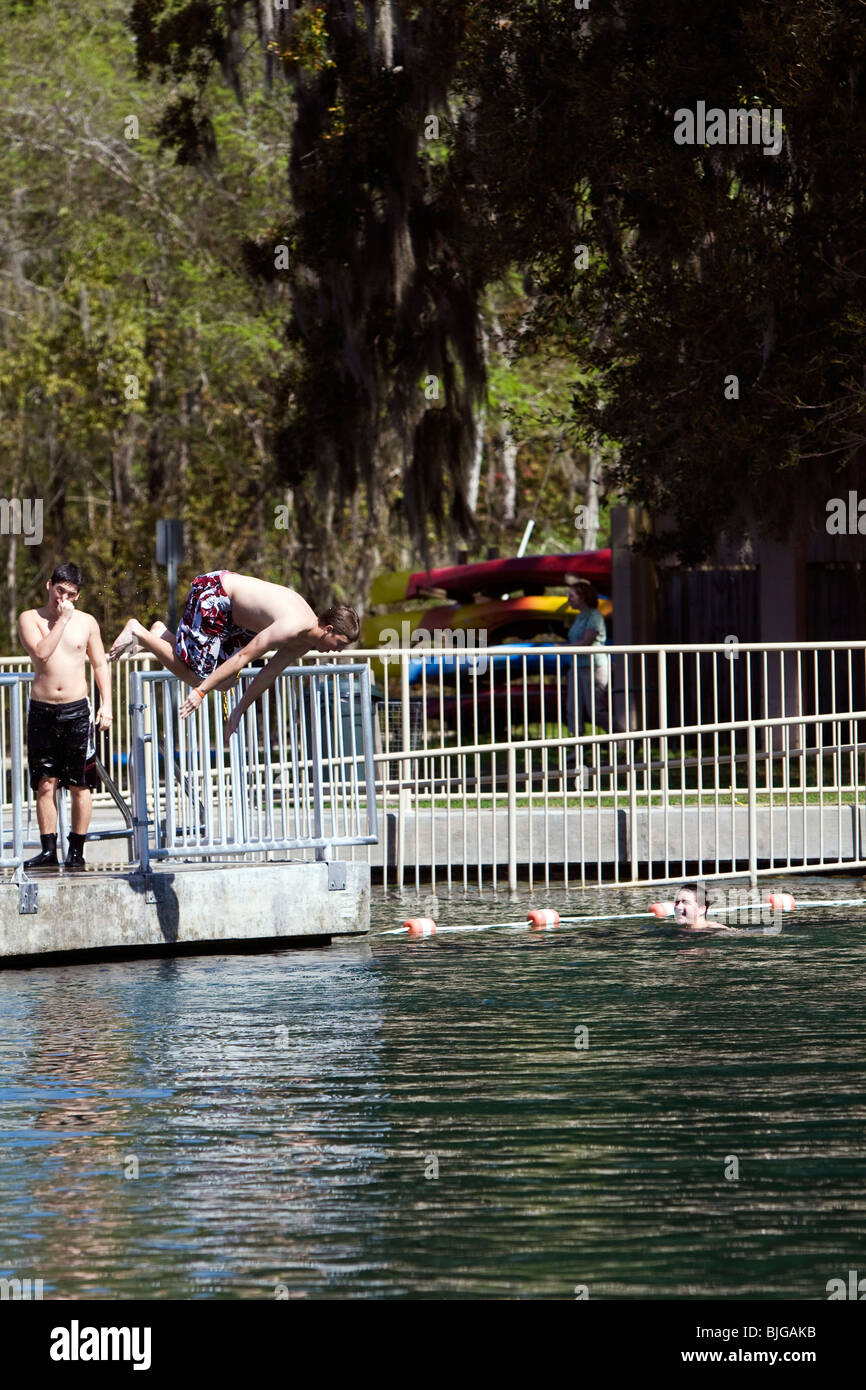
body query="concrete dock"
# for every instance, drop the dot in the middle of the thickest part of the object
(181, 908)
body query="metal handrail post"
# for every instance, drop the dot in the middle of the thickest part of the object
(63, 821)
(404, 793)
(752, 765)
(17, 768)
(632, 807)
(235, 782)
(318, 788)
(511, 757)
(139, 780)
(369, 765)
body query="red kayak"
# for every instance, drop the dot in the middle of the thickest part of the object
(496, 577)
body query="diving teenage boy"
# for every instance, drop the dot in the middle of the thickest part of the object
(228, 621)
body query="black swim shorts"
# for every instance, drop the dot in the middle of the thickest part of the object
(61, 743)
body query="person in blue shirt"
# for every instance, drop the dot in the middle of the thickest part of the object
(589, 676)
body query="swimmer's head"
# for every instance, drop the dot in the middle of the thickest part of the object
(691, 905)
(338, 626)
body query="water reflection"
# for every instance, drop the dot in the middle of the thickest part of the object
(180, 1124)
(417, 1118)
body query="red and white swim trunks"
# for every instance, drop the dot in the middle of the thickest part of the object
(206, 635)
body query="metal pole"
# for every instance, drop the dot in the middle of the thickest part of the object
(17, 809)
(235, 755)
(62, 819)
(139, 779)
(753, 806)
(512, 819)
(632, 807)
(172, 594)
(369, 766)
(405, 719)
(404, 795)
(318, 793)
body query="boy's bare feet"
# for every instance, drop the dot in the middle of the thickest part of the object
(126, 644)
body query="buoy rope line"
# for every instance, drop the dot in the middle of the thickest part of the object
(547, 918)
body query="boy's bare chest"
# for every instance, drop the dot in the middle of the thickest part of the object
(73, 642)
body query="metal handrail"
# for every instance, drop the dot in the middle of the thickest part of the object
(244, 785)
(636, 769)
(16, 859)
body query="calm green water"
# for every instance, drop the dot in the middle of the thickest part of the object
(287, 1114)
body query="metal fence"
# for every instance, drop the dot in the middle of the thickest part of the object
(117, 742)
(647, 806)
(12, 688)
(419, 694)
(480, 773)
(296, 775)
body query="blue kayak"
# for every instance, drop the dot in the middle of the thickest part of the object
(521, 656)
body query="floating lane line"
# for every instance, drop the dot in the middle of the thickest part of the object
(547, 918)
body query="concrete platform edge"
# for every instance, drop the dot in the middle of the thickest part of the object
(205, 904)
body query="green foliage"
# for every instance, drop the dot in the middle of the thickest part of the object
(705, 261)
(280, 259)
(136, 358)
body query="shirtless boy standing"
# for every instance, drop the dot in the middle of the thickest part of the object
(228, 621)
(61, 746)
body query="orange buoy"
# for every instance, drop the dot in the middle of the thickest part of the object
(420, 926)
(782, 902)
(543, 918)
(662, 909)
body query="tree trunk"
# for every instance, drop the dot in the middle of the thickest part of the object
(480, 421)
(12, 591)
(593, 483)
(509, 474)
(477, 460)
(385, 27)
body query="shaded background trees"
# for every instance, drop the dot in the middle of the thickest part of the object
(341, 260)
(135, 355)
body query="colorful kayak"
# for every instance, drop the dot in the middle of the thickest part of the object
(523, 658)
(493, 578)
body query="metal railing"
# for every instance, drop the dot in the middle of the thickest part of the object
(647, 806)
(117, 742)
(476, 760)
(475, 756)
(427, 698)
(11, 772)
(16, 794)
(297, 774)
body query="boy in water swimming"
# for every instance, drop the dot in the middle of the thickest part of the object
(690, 909)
